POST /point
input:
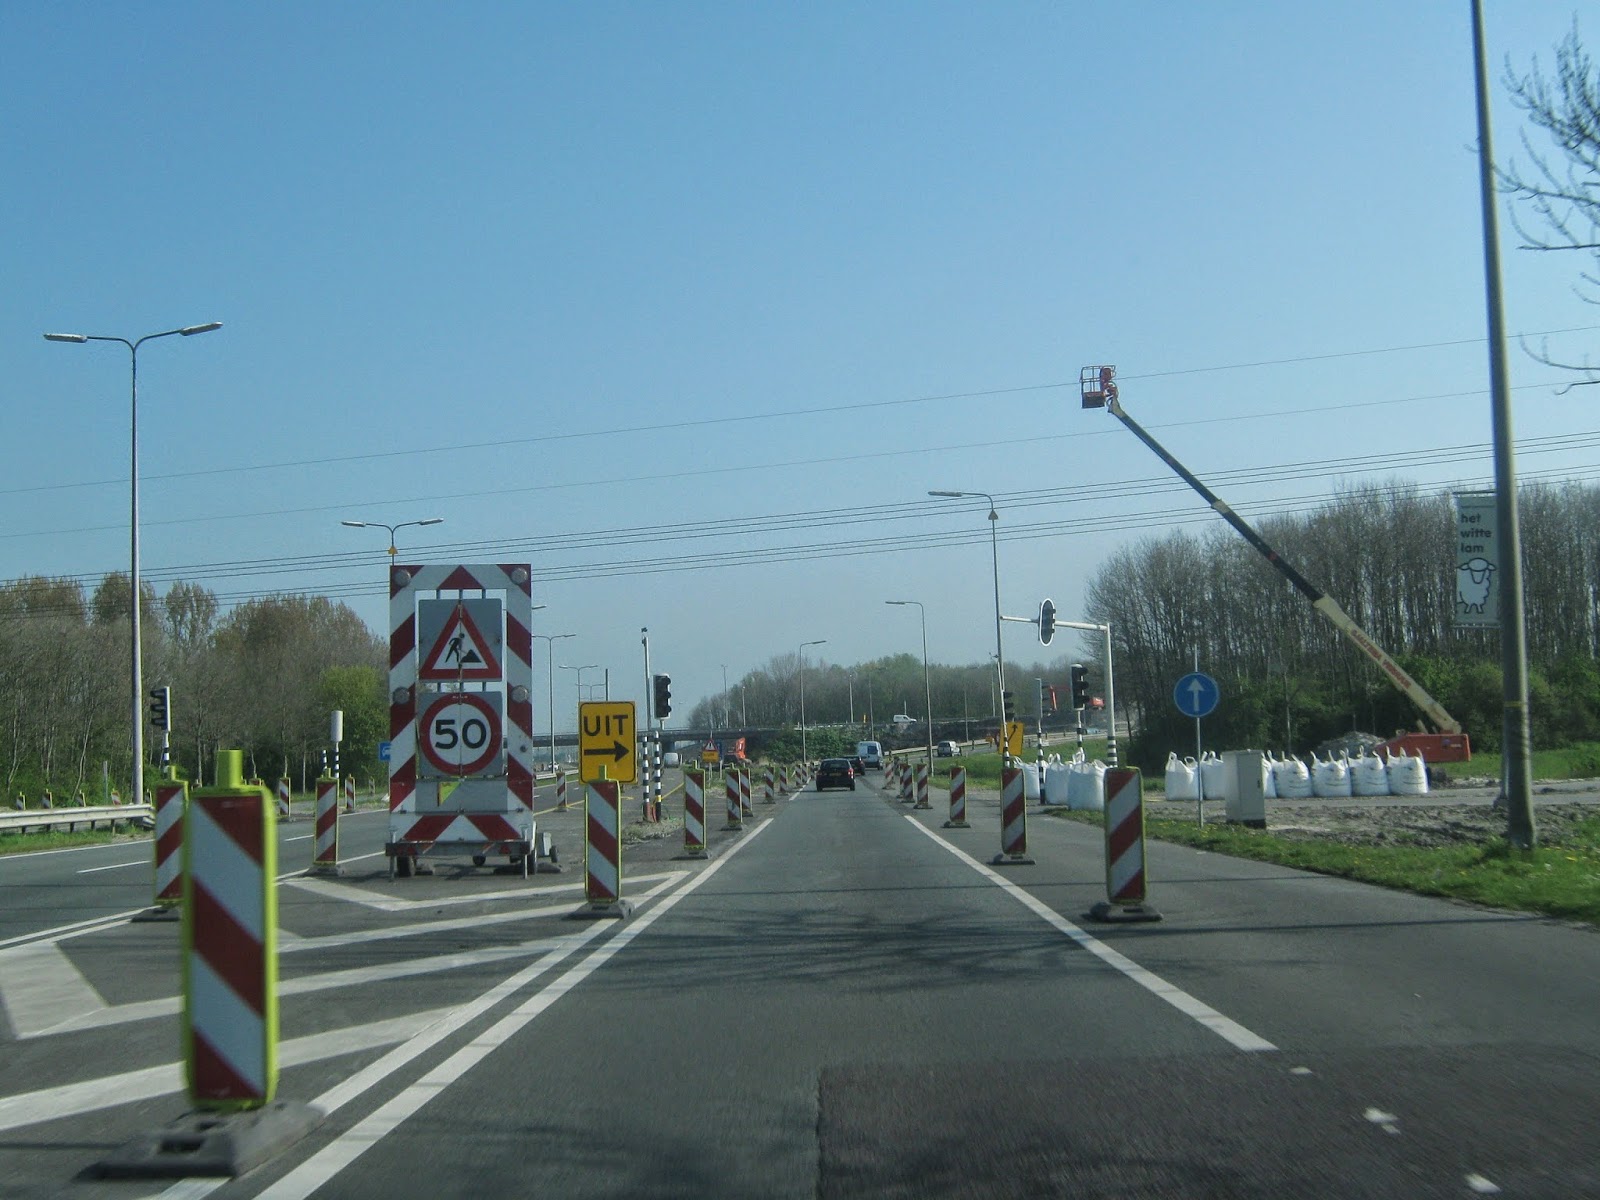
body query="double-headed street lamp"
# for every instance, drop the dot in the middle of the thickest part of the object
(819, 642)
(927, 686)
(391, 528)
(580, 671)
(133, 571)
(550, 639)
(999, 651)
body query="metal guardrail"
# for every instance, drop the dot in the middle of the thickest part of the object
(72, 817)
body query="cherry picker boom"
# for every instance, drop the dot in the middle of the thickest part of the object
(1099, 389)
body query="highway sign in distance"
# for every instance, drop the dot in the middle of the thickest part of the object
(1196, 694)
(606, 730)
(460, 736)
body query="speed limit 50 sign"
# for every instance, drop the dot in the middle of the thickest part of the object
(460, 736)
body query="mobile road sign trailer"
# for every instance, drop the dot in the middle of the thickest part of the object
(460, 714)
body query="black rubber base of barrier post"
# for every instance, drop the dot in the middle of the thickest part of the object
(1121, 913)
(1011, 860)
(212, 1143)
(615, 911)
(955, 825)
(161, 912)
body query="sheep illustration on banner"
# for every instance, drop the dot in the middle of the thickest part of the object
(1477, 561)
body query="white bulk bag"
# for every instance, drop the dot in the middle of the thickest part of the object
(1369, 776)
(1086, 785)
(1408, 776)
(1055, 781)
(1331, 778)
(1214, 776)
(1292, 779)
(1030, 781)
(1269, 779)
(1183, 778)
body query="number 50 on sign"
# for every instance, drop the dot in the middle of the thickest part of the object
(460, 737)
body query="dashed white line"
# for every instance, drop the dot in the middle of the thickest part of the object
(143, 862)
(1482, 1186)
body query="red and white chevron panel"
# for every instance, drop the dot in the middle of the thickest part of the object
(350, 791)
(745, 807)
(561, 791)
(1125, 878)
(770, 792)
(602, 850)
(283, 797)
(694, 814)
(730, 783)
(1013, 814)
(325, 848)
(905, 783)
(406, 584)
(230, 920)
(172, 797)
(958, 799)
(922, 786)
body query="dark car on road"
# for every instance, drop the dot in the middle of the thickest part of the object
(836, 772)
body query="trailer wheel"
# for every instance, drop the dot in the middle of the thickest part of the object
(479, 859)
(403, 865)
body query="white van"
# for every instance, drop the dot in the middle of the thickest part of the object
(870, 754)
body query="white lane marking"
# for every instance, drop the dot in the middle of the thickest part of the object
(1226, 1028)
(166, 1006)
(76, 929)
(1482, 1186)
(143, 862)
(351, 894)
(123, 845)
(303, 838)
(1300, 1071)
(39, 984)
(1385, 1121)
(317, 1170)
(93, 1095)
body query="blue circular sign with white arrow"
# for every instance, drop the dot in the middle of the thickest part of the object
(1196, 694)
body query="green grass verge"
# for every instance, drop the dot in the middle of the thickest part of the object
(24, 843)
(1559, 879)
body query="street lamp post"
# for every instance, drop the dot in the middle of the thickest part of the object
(550, 639)
(137, 669)
(393, 550)
(927, 685)
(999, 651)
(580, 671)
(804, 758)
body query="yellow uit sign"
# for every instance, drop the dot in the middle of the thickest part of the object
(1014, 731)
(606, 732)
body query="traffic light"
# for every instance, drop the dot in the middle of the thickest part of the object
(662, 705)
(1080, 686)
(1047, 622)
(1008, 707)
(161, 708)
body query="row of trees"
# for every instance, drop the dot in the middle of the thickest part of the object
(1387, 555)
(262, 678)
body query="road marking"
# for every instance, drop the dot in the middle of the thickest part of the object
(1385, 1121)
(355, 895)
(1482, 1186)
(317, 1170)
(76, 929)
(40, 983)
(1226, 1028)
(143, 862)
(88, 1011)
(302, 838)
(151, 1083)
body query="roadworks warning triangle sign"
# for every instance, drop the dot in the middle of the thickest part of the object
(460, 651)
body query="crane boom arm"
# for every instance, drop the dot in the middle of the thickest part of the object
(1323, 603)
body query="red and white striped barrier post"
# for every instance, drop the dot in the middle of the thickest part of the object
(325, 846)
(769, 794)
(906, 795)
(923, 771)
(1013, 820)
(602, 850)
(350, 793)
(561, 791)
(694, 815)
(284, 793)
(172, 802)
(958, 799)
(1125, 876)
(745, 808)
(230, 942)
(730, 784)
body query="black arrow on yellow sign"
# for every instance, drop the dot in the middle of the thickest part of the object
(616, 750)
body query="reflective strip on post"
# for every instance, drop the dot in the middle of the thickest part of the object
(958, 799)
(230, 951)
(172, 802)
(602, 853)
(325, 849)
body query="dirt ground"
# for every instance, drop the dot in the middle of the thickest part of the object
(1463, 813)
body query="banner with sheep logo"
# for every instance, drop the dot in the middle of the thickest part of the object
(1477, 561)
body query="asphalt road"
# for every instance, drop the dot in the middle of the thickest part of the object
(845, 1001)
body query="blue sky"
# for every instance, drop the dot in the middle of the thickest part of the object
(574, 277)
